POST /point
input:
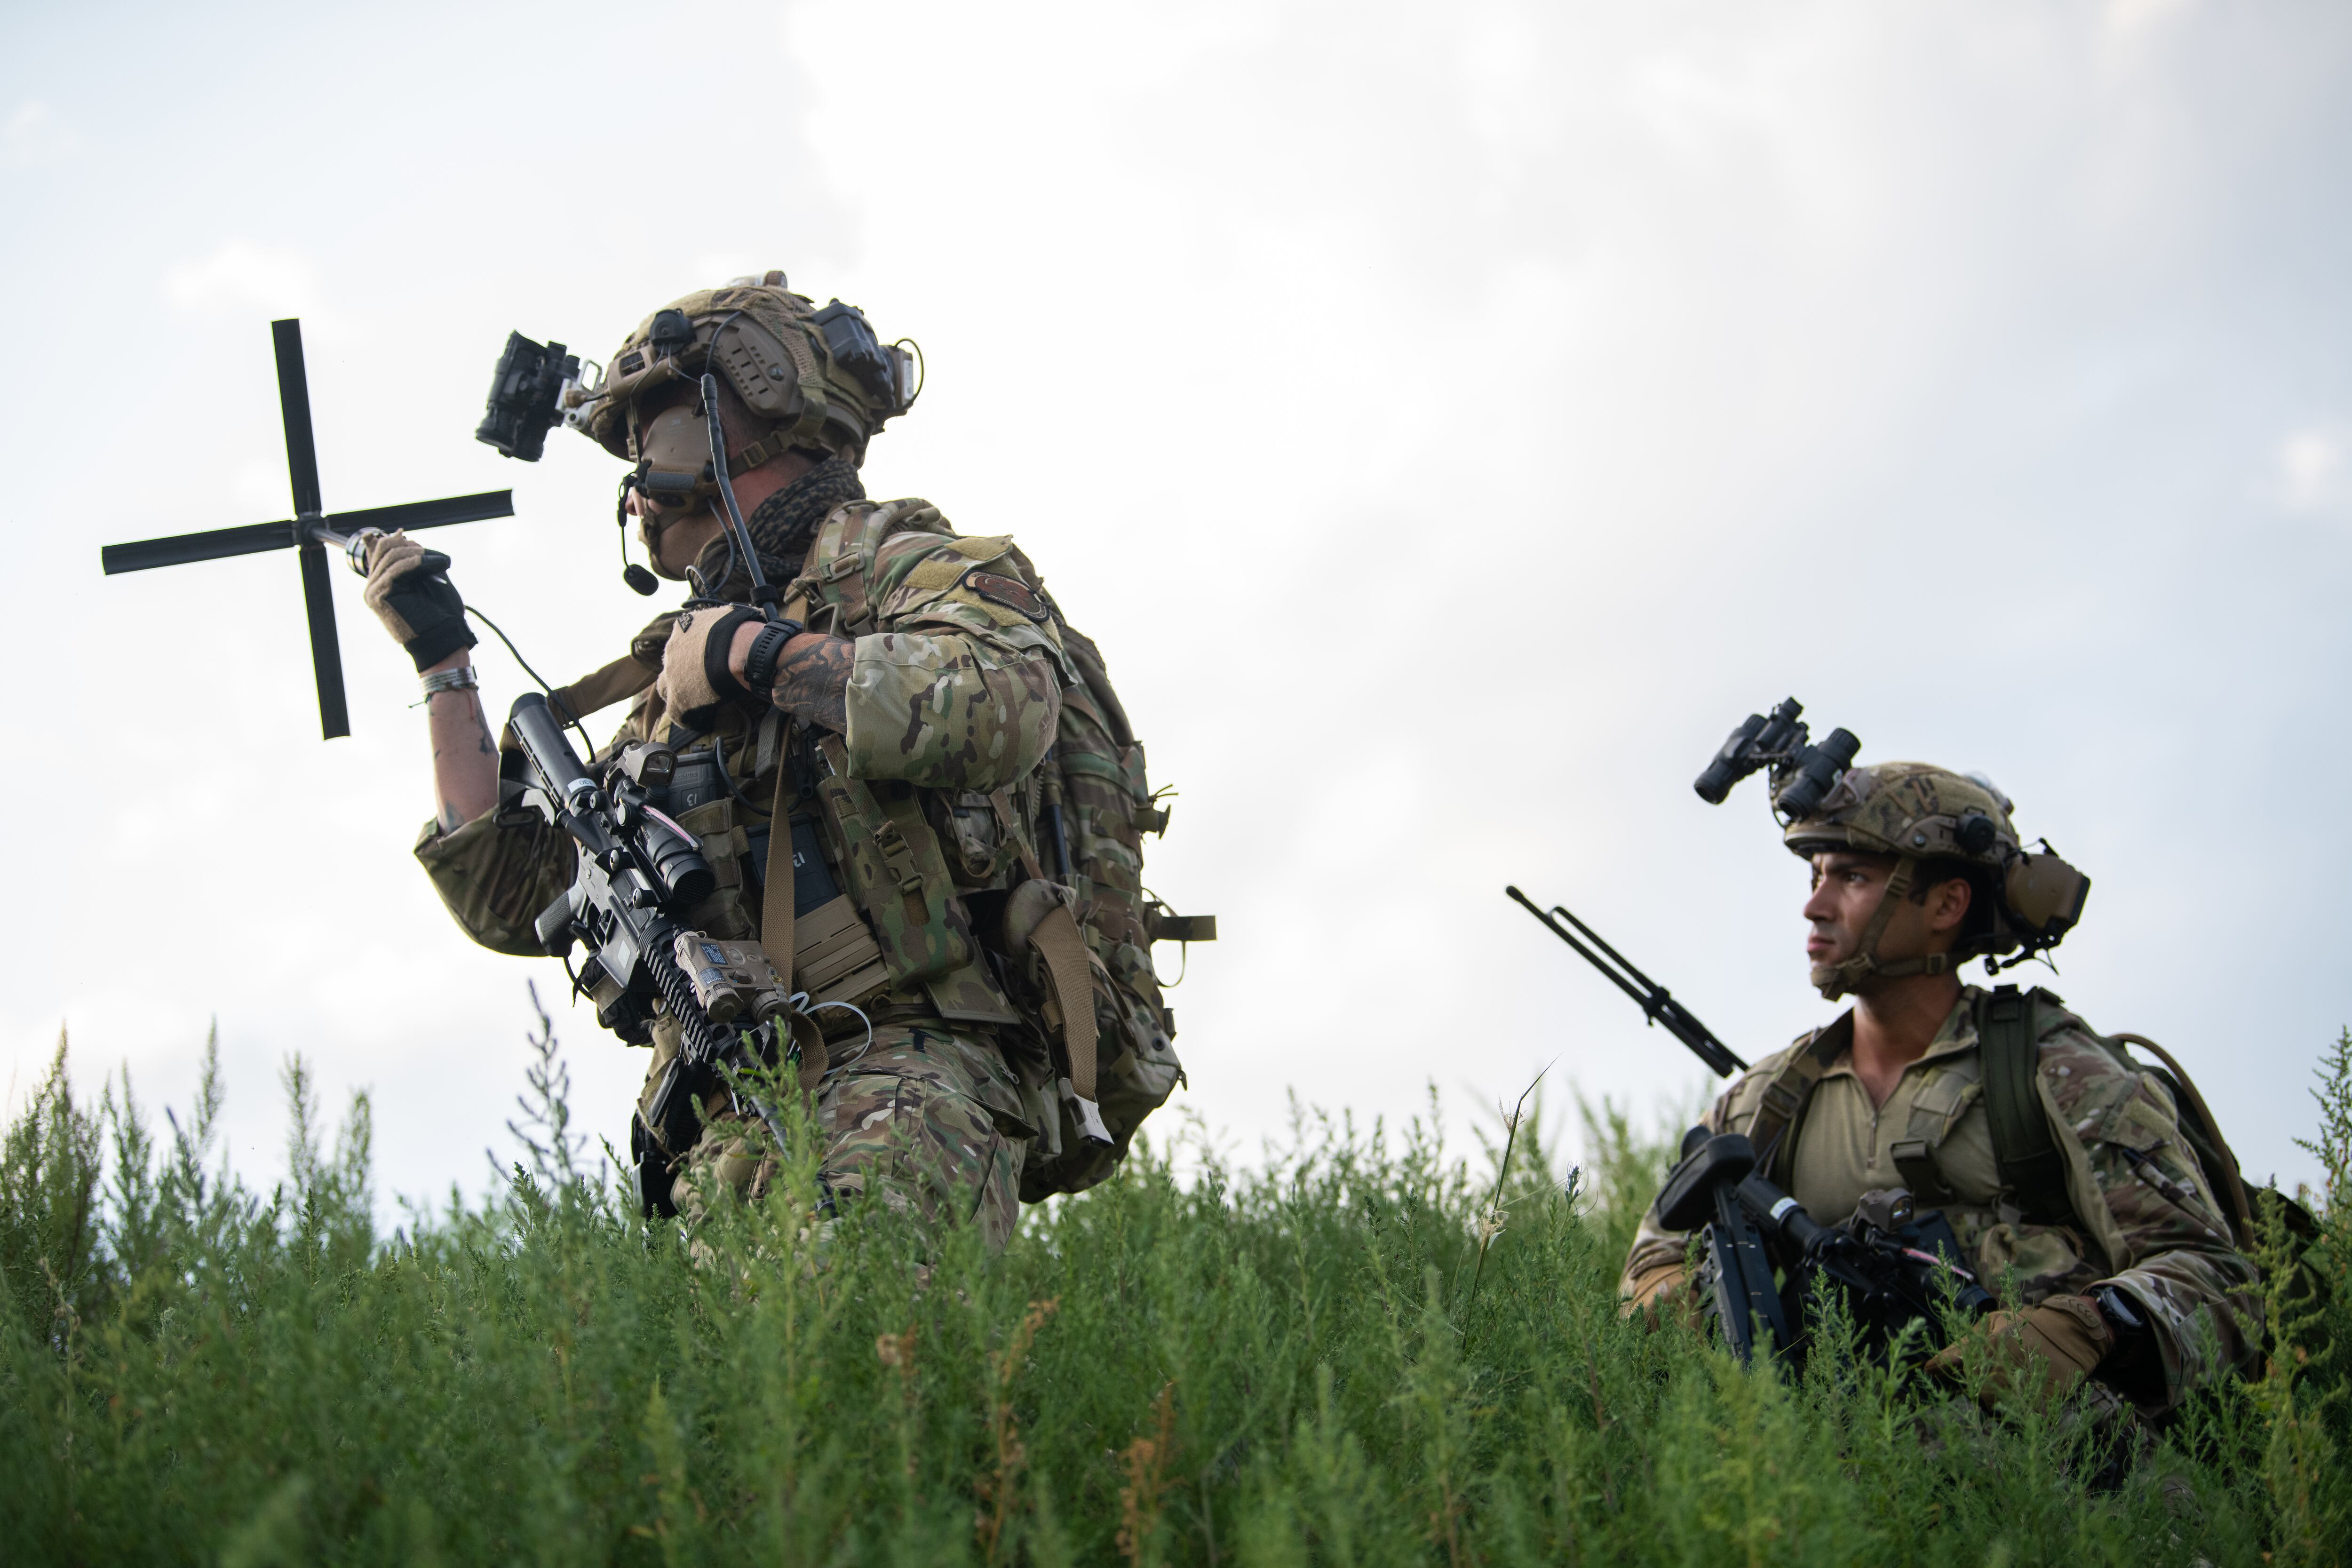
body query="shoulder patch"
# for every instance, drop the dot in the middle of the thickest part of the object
(1010, 591)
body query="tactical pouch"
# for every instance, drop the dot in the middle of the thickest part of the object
(891, 861)
(724, 914)
(835, 957)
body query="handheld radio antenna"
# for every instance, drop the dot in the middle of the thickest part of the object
(309, 531)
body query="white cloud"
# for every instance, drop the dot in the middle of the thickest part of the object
(2311, 468)
(34, 134)
(241, 277)
(2136, 18)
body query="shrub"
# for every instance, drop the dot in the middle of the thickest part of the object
(1354, 1353)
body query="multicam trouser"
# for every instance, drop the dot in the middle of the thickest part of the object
(924, 1120)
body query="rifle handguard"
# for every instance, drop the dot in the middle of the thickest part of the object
(543, 740)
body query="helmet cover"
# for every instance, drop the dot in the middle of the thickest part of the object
(1910, 808)
(818, 378)
(1915, 812)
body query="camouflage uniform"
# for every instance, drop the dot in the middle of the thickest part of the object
(2149, 1224)
(953, 699)
(968, 921)
(926, 1122)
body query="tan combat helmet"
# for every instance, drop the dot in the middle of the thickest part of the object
(1916, 813)
(820, 377)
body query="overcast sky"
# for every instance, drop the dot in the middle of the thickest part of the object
(1450, 420)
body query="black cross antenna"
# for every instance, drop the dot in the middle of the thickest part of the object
(309, 531)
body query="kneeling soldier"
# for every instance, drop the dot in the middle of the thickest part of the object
(2060, 1165)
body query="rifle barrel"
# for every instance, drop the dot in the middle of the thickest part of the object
(1657, 1004)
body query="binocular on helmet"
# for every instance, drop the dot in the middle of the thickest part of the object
(528, 398)
(1802, 774)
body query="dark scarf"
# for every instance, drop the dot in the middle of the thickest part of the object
(781, 529)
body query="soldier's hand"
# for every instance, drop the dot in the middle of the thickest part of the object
(695, 680)
(420, 607)
(1663, 1294)
(2039, 1354)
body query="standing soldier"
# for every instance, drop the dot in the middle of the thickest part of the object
(937, 768)
(2061, 1166)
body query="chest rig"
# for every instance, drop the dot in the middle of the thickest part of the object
(910, 860)
(2032, 1169)
(1020, 912)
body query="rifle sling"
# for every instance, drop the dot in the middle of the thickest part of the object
(624, 677)
(1774, 1129)
(776, 903)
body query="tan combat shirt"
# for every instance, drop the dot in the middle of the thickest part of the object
(2148, 1222)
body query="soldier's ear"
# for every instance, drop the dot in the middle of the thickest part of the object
(1948, 903)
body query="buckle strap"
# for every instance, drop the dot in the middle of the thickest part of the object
(1917, 1162)
(2030, 1166)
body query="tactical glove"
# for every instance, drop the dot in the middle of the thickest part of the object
(421, 611)
(1662, 1293)
(2039, 1354)
(695, 680)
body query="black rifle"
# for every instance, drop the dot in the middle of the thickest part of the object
(1654, 999)
(638, 873)
(1890, 1266)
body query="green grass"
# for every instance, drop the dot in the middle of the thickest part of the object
(1305, 1364)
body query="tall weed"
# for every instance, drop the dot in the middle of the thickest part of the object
(1363, 1351)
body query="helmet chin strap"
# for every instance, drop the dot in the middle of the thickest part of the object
(1836, 979)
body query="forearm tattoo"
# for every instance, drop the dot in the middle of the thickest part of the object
(812, 683)
(480, 744)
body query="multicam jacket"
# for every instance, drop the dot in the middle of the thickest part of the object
(2148, 1221)
(930, 800)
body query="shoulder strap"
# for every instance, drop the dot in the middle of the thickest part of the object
(1089, 660)
(836, 581)
(1773, 1131)
(2030, 1166)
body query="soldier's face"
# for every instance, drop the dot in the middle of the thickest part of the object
(673, 536)
(674, 542)
(1846, 891)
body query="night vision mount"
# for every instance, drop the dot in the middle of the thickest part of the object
(535, 388)
(538, 386)
(1802, 774)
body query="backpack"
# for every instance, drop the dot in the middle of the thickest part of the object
(1095, 804)
(1098, 804)
(2008, 1036)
